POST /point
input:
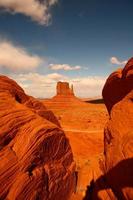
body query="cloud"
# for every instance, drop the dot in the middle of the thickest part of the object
(38, 85)
(37, 11)
(116, 61)
(65, 67)
(56, 76)
(16, 58)
(90, 86)
(44, 86)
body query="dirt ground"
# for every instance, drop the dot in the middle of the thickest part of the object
(84, 126)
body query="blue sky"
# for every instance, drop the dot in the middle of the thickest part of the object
(77, 41)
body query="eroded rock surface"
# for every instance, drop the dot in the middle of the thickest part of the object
(118, 85)
(117, 179)
(36, 160)
(119, 133)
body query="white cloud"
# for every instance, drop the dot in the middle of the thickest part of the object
(45, 85)
(38, 85)
(37, 11)
(52, 2)
(56, 76)
(17, 58)
(65, 67)
(90, 86)
(116, 61)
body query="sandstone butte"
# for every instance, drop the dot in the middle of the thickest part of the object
(116, 182)
(64, 98)
(36, 160)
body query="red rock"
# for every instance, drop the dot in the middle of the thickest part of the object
(36, 160)
(64, 98)
(64, 89)
(39, 108)
(118, 135)
(115, 178)
(118, 85)
(118, 139)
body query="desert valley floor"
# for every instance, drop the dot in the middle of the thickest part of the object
(84, 125)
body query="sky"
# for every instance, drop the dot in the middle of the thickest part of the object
(78, 41)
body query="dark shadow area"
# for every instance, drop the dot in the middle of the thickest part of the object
(18, 99)
(76, 180)
(96, 101)
(116, 179)
(89, 191)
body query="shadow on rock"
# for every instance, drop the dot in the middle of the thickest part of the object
(116, 179)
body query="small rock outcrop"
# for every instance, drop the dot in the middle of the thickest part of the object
(116, 182)
(36, 160)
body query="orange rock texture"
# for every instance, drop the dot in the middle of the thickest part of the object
(118, 85)
(36, 160)
(117, 180)
(118, 136)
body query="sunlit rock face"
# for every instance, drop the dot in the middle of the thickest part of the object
(36, 160)
(118, 85)
(118, 136)
(114, 179)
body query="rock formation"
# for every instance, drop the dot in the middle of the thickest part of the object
(64, 89)
(64, 97)
(118, 85)
(119, 132)
(36, 160)
(117, 179)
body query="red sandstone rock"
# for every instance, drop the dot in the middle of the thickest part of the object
(118, 137)
(64, 97)
(118, 85)
(36, 160)
(64, 89)
(39, 108)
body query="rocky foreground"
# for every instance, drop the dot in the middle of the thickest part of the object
(116, 180)
(36, 160)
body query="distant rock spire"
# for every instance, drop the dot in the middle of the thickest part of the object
(72, 90)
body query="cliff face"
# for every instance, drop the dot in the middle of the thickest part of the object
(36, 160)
(118, 85)
(114, 180)
(118, 137)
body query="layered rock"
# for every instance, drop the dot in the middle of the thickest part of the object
(36, 160)
(116, 182)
